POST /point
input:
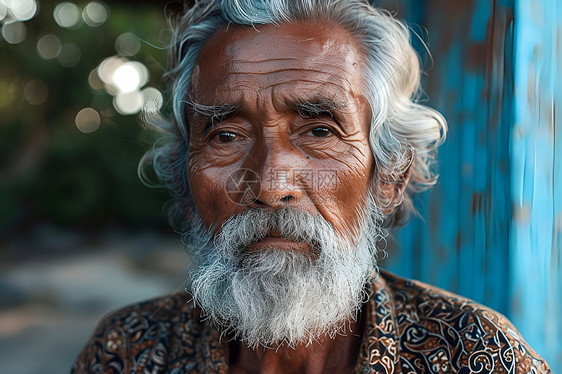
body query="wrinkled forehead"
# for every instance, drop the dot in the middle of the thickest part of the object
(296, 50)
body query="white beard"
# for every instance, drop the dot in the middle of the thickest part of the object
(277, 296)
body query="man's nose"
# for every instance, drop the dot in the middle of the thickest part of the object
(278, 167)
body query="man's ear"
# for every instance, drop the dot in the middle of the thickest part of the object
(391, 188)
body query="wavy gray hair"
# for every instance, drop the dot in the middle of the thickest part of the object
(403, 134)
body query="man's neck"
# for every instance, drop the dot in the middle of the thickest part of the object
(338, 355)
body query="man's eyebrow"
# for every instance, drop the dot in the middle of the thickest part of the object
(212, 113)
(319, 106)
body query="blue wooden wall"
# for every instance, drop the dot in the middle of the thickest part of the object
(536, 183)
(491, 230)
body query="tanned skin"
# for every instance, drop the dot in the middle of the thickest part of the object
(286, 99)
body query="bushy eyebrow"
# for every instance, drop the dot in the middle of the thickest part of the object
(317, 107)
(212, 114)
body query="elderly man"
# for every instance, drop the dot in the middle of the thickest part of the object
(295, 142)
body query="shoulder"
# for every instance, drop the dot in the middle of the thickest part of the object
(445, 332)
(144, 335)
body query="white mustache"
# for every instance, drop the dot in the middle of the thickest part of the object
(242, 230)
(276, 296)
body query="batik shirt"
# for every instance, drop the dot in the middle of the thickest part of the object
(410, 327)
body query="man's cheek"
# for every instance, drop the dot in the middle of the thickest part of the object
(351, 197)
(208, 193)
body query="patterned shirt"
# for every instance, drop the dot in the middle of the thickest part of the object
(410, 327)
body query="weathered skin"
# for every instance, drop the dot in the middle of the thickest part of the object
(267, 71)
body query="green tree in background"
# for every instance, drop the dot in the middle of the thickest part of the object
(61, 164)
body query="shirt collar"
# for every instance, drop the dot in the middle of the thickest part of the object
(379, 345)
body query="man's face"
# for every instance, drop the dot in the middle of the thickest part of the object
(282, 105)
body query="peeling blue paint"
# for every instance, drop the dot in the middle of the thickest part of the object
(491, 230)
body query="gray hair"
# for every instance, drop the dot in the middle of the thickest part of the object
(403, 134)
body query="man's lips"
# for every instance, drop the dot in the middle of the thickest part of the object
(274, 240)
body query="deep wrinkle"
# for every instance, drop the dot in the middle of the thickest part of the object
(268, 87)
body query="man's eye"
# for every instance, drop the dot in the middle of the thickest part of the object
(226, 137)
(320, 132)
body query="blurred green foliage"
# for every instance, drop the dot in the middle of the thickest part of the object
(51, 171)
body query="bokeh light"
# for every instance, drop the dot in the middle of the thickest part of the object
(94, 80)
(20, 10)
(121, 75)
(69, 55)
(127, 44)
(49, 46)
(95, 14)
(127, 78)
(14, 32)
(142, 71)
(35, 92)
(88, 120)
(105, 71)
(67, 15)
(153, 100)
(3, 10)
(128, 102)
